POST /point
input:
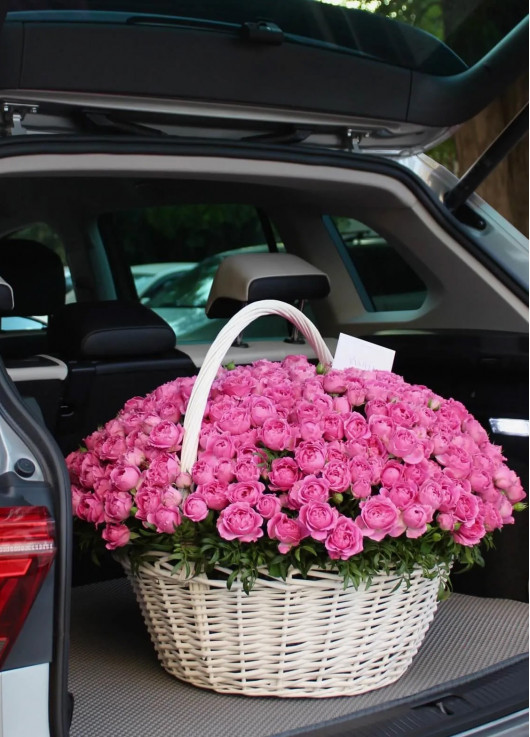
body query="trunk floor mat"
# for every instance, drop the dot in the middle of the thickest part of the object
(120, 690)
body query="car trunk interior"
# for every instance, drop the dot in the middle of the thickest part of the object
(467, 341)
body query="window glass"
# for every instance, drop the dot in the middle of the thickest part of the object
(44, 234)
(173, 253)
(433, 36)
(384, 279)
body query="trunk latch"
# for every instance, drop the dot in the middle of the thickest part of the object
(13, 113)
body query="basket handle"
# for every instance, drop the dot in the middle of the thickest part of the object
(216, 353)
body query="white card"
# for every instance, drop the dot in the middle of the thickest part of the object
(356, 353)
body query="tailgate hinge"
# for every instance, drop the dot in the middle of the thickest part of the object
(13, 113)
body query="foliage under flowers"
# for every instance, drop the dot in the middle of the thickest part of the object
(353, 471)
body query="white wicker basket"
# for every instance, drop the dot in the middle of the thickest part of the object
(299, 637)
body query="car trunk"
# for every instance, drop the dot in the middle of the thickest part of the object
(471, 668)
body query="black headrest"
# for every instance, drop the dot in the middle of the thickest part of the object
(36, 275)
(250, 277)
(108, 330)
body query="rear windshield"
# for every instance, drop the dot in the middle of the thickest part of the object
(436, 37)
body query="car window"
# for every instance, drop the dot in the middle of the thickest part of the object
(174, 251)
(435, 37)
(45, 234)
(384, 280)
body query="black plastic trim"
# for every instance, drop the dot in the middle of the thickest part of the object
(443, 712)
(170, 146)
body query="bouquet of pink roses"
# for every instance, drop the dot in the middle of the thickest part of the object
(298, 467)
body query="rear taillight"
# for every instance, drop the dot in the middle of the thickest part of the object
(27, 548)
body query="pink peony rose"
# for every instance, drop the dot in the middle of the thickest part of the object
(380, 517)
(283, 474)
(116, 536)
(124, 478)
(310, 456)
(345, 540)
(166, 435)
(239, 521)
(416, 517)
(195, 507)
(318, 519)
(286, 530)
(309, 488)
(117, 506)
(276, 434)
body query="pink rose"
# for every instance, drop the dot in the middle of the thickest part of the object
(355, 392)
(309, 488)
(276, 434)
(117, 506)
(90, 509)
(402, 494)
(245, 491)
(469, 534)
(379, 517)
(355, 427)
(361, 489)
(163, 470)
(235, 421)
(238, 383)
(403, 443)
(239, 521)
(467, 508)
(335, 382)
(268, 505)
(204, 470)
(116, 536)
(283, 474)
(345, 540)
(124, 477)
(337, 474)
(457, 462)
(473, 428)
(195, 507)
(310, 456)
(310, 430)
(431, 494)
(220, 445)
(247, 469)
(286, 530)
(391, 473)
(416, 517)
(333, 426)
(169, 411)
(165, 519)
(381, 426)
(341, 405)
(166, 435)
(215, 494)
(261, 409)
(171, 497)
(318, 519)
(147, 500)
(492, 517)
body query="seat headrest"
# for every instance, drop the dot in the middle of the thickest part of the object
(250, 277)
(111, 329)
(36, 275)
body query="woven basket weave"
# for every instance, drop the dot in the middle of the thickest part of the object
(287, 638)
(299, 637)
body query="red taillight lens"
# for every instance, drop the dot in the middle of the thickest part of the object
(27, 547)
